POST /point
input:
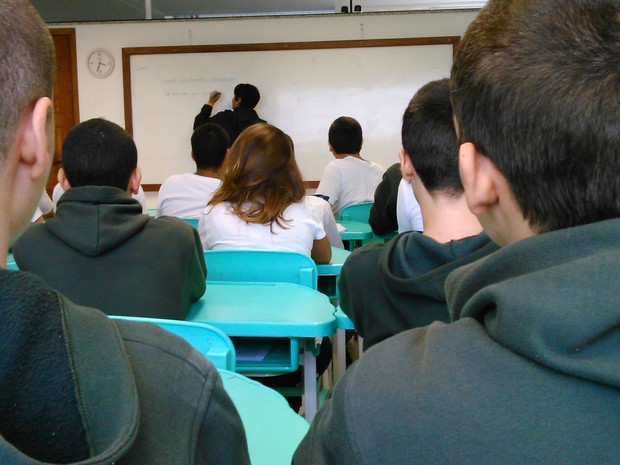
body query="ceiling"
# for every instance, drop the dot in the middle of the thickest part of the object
(123, 10)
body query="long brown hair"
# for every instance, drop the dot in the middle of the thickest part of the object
(261, 178)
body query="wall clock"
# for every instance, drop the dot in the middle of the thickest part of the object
(100, 63)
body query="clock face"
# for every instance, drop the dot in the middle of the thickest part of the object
(100, 63)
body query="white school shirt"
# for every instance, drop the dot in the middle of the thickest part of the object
(322, 212)
(348, 181)
(185, 195)
(408, 212)
(45, 206)
(220, 229)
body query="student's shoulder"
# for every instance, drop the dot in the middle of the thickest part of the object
(363, 257)
(373, 401)
(224, 115)
(36, 229)
(398, 359)
(33, 237)
(154, 344)
(176, 180)
(188, 182)
(336, 168)
(177, 228)
(376, 167)
(364, 254)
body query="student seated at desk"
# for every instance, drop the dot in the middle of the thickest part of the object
(261, 201)
(389, 288)
(75, 386)
(322, 212)
(395, 207)
(100, 250)
(262, 204)
(349, 179)
(528, 372)
(186, 195)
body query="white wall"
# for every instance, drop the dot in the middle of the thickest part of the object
(104, 97)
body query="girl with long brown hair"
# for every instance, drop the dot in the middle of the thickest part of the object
(261, 201)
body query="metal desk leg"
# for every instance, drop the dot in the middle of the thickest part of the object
(340, 355)
(311, 398)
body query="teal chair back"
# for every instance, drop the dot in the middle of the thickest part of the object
(357, 212)
(10, 262)
(206, 339)
(276, 266)
(192, 222)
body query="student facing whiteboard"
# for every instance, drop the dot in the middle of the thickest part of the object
(349, 179)
(261, 201)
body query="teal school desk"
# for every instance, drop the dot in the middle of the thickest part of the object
(270, 310)
(272, 428)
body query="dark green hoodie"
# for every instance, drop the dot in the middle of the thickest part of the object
(101, 251)
(79, 388)
(386, 289)
(528, 373)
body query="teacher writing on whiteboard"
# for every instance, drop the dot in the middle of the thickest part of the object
(240, 117)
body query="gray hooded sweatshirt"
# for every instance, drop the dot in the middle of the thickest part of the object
(527, 373)
(78, 388)
(101, 251)
(392, 287)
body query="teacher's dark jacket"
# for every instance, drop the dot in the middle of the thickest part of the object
(233, 121)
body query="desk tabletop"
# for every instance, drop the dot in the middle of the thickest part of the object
(272, 428)
(355, 230)
(265, 310)
(335, 265)
(342, 320)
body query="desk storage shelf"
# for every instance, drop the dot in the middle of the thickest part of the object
(266, 355)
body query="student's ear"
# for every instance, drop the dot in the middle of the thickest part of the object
(134, 180)
(34, 149)
(479, 177)
(61, 177)
(406, 167)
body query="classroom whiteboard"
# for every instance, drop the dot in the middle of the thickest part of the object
(304, 86)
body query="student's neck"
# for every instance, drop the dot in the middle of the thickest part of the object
(208, 173)
(447, 219)
(5, 244)
(340, 156)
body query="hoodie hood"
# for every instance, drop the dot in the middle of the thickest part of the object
(96, 219)
(553, 298)
(77, 401)
(415, 264)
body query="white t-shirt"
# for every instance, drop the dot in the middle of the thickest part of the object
(185, 195)
(348, 181)
(140, 197)
(45, 206)
(323, 214)
(220, 228)
(408, 213)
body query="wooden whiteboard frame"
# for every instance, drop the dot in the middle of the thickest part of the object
(128, 52)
